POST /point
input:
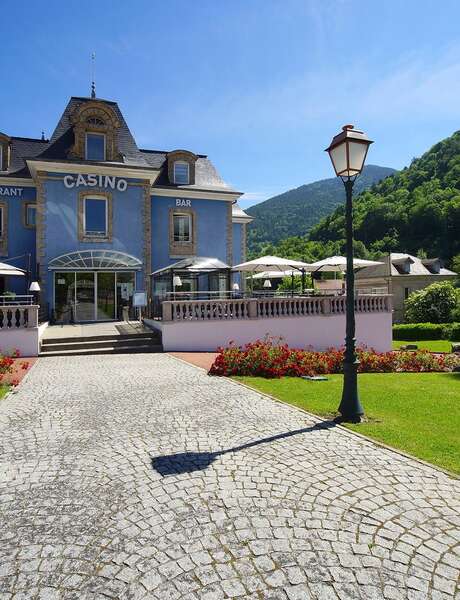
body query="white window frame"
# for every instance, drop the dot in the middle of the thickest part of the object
(93, 234)
(182, 163)
(190, 229)
(97, 133)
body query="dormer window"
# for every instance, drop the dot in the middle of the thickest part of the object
(95, 127)
(95, 146)
(181, 172)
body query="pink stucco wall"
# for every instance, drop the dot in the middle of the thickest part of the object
(320, 332)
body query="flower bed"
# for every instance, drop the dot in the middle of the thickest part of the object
(272, 358)
(12, 369)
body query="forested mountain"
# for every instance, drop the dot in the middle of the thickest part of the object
(416, 210)
(294, 212)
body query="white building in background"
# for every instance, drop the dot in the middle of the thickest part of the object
(400, 274)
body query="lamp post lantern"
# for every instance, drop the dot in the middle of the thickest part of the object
(347, 152)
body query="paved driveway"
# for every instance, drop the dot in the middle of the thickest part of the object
(140, 477)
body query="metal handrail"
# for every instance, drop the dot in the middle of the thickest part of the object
(13, 300)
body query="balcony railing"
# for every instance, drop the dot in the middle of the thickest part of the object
(266, 308)
(13, 299)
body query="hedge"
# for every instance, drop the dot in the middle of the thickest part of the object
(454, 332)
(414, 332)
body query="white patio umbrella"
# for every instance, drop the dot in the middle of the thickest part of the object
(272, 263)
(6, 269)
(339, 263)
(276, 274)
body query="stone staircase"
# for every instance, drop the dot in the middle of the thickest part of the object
(102, 344)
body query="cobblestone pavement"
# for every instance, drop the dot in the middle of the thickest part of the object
(135, 477)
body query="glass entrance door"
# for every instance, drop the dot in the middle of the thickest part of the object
(105, 296)
(93, 296)
(85, 297)
(64, 297)
(126, 283)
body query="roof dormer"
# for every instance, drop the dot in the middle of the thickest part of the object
(402, 264)
(432, 264)
(95, 126)
(181, 167)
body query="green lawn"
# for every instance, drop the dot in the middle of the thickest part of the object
(418, 413)
(3, 390)
(432, 345)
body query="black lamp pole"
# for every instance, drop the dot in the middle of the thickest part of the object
(347, 152)
(350, 407)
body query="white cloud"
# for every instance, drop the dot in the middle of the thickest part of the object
(408, 88)
(251, 198)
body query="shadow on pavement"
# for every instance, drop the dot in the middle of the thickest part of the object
(188, 462)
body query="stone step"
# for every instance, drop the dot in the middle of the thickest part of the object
(97, 338)
(88, 343)
(117, 349)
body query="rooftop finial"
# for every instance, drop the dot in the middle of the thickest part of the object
(93, 84)
(43, 136)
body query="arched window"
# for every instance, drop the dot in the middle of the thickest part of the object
(95, 122)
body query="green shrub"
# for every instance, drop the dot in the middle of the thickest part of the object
(434, 304)
(455, 332)
(456, 312)
(414, 332)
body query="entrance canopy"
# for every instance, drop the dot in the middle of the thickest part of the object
(94, 260)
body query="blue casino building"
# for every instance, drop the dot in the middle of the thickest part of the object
(91, 216)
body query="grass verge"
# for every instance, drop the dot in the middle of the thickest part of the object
(431, 345)
(418, 413)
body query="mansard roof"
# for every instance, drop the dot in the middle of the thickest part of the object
(62, 140)
(126, 143)
(21, 148)
(399, 264)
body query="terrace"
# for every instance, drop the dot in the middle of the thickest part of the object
(202, 320)
(302, 321)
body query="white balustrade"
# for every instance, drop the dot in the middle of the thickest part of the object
(206, 310)
(268, 308)
(18, 317)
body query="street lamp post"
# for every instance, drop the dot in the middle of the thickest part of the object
(347, 152)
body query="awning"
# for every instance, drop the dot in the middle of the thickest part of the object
(195, 264)
(6, 269)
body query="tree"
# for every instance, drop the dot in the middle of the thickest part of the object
(434, 304)
(418, 207)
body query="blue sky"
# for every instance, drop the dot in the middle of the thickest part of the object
(258, 85)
